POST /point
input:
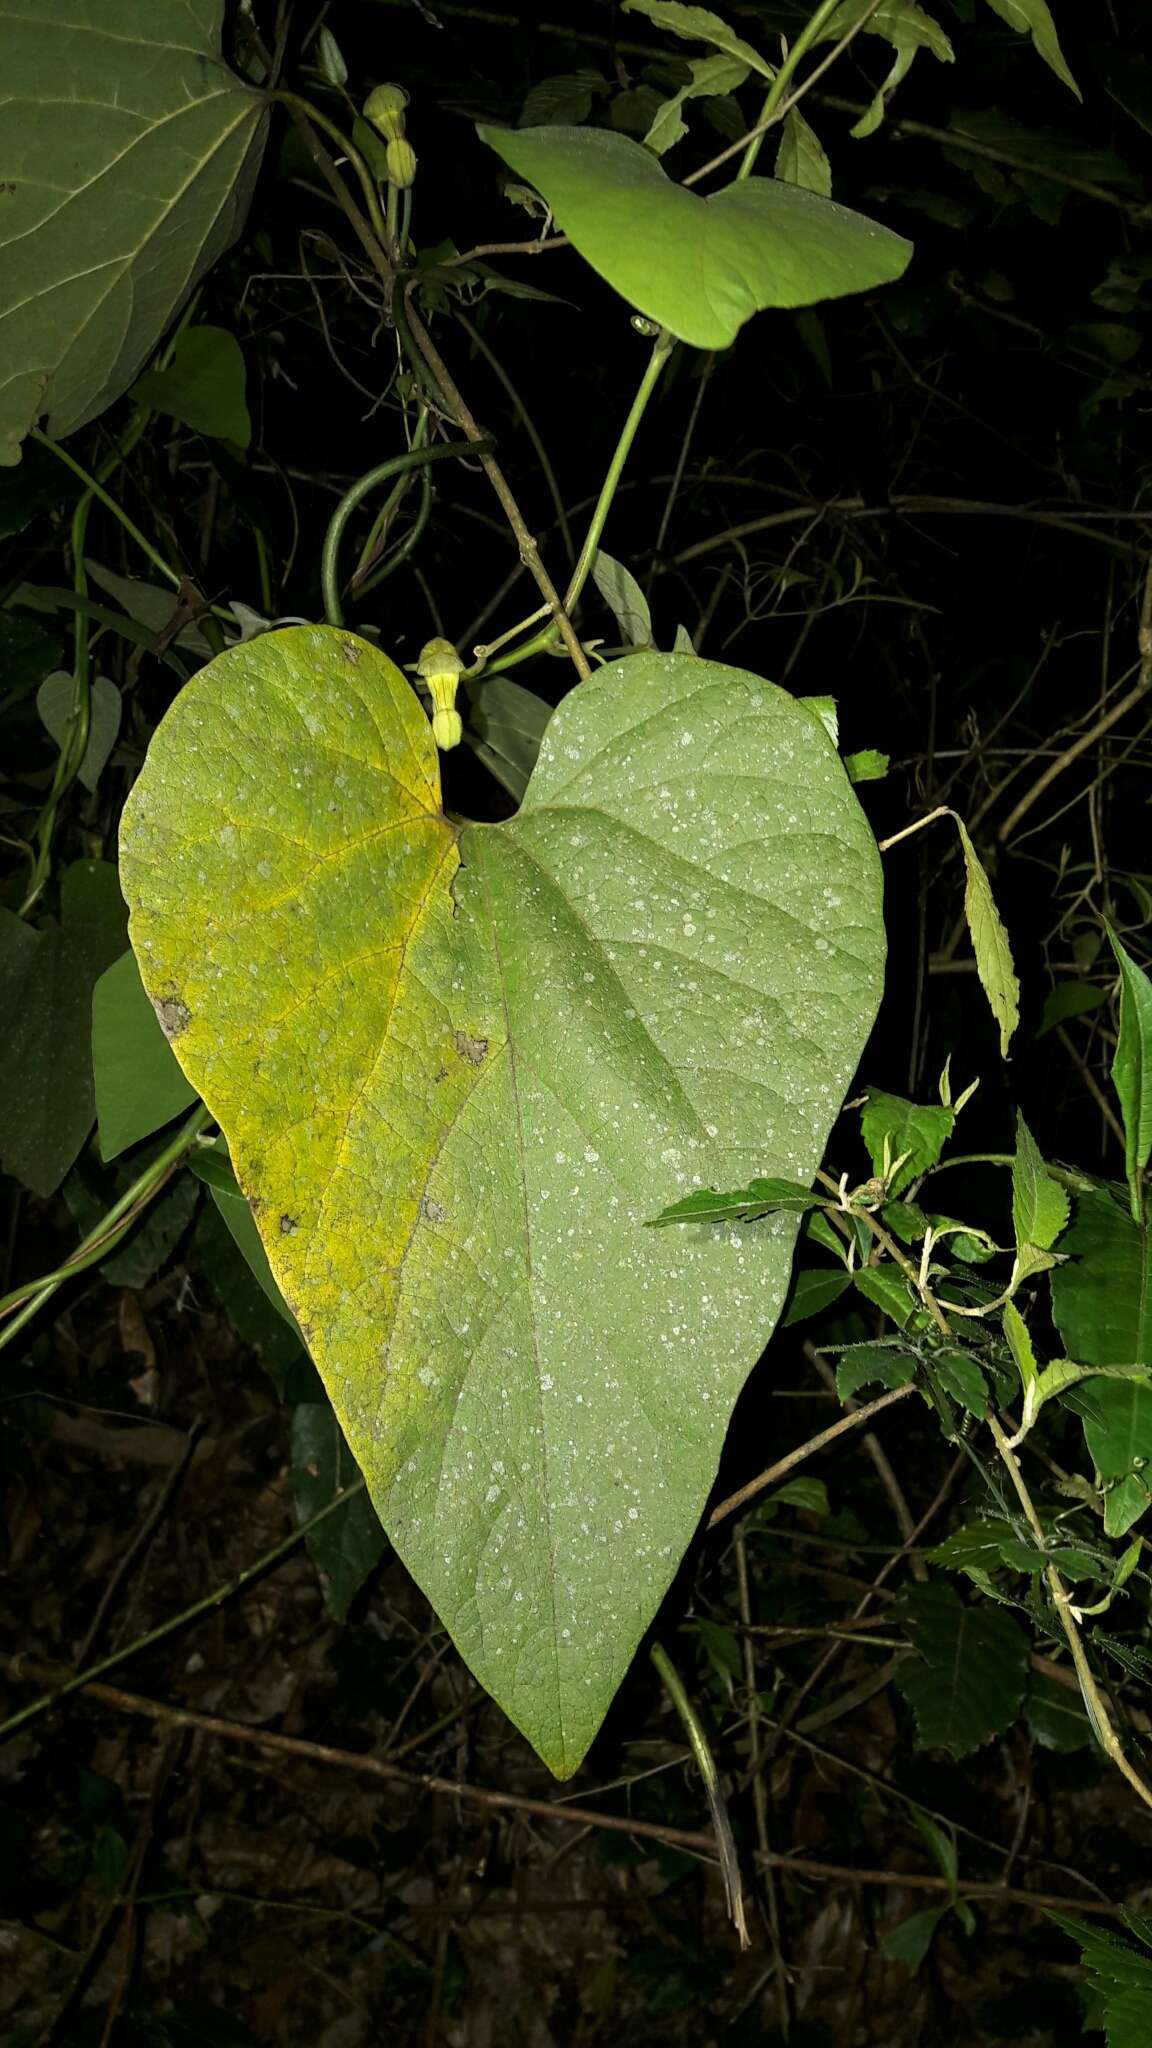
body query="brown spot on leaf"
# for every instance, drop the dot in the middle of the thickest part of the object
(350, 651)
(474, 1050)
(434, 1211)
(287, 1225)
(174, 1015)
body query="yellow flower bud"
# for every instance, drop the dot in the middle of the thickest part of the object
(384, 107)
(401, 161)
(447, 729)
(439, 668)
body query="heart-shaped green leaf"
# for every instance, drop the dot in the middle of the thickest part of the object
(128, 151)
(701, 267)
(460, 1067)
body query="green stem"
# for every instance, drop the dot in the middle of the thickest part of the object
(403, 548)
(304, 107)
(706, 1764)
(25, 1301)
(96, 487)
(216, 1598)
(396, 465)
(369, 552)
(809, 34)
(661, 350)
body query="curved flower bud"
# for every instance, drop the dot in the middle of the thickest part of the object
(440, 668)
(384, 107)
(400, 158)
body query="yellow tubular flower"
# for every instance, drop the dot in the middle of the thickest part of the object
(440, 668)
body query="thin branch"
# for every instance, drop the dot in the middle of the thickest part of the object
(797, 1457)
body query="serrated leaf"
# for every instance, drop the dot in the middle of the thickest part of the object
(203, 386)
(129, 155)
(709, 77)
(810, 1495)
(869, 765)
(698, 267)
(1056, 1716)
(967, 1683)
(505, 727)
(1119, 1436)
(138, 1081)
(1034, 18)
(624, 599)
(870, 1365)
(961, 1377)
(700, 25)
(1132, 1070)
(47, 976)
(1121, 1975)
(55, 700)
(989, 942)
(801, 158)
(1102, 1293)
(889, 1291)
(918, 1129)
(763, 1197)
(347, 1546)
(1039, 1204)
(459, 1067)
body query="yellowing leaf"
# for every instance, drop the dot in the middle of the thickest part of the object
(459, 1067)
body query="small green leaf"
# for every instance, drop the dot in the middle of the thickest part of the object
(138, 1080)
(814, 1291)
(888, 1290)
(801, 158)
(700, 25)
(989, 943)
(698, 267)
(961, 1377)
(203, 386)
(348, 1545)
(55, 700)
(811, 1495)
(869, 1365)
(967, 1683)
(1067, 1000)
(1039, 1204)
(910, 1942)
(870, 765)
(1132, 1070)
(710, 76)
(624, 599)
(563, 100)
(47, 976)
(742, 1205)
(903, 24)
(1033, 17)
(505, 727)
(919, 1130)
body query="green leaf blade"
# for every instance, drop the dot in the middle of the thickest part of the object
(699, 267)
(968, 1681)
(1132, 1069)
(103, 244)
(458, 1070)
(138, 1081)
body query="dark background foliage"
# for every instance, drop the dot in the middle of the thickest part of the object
(956, 472)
